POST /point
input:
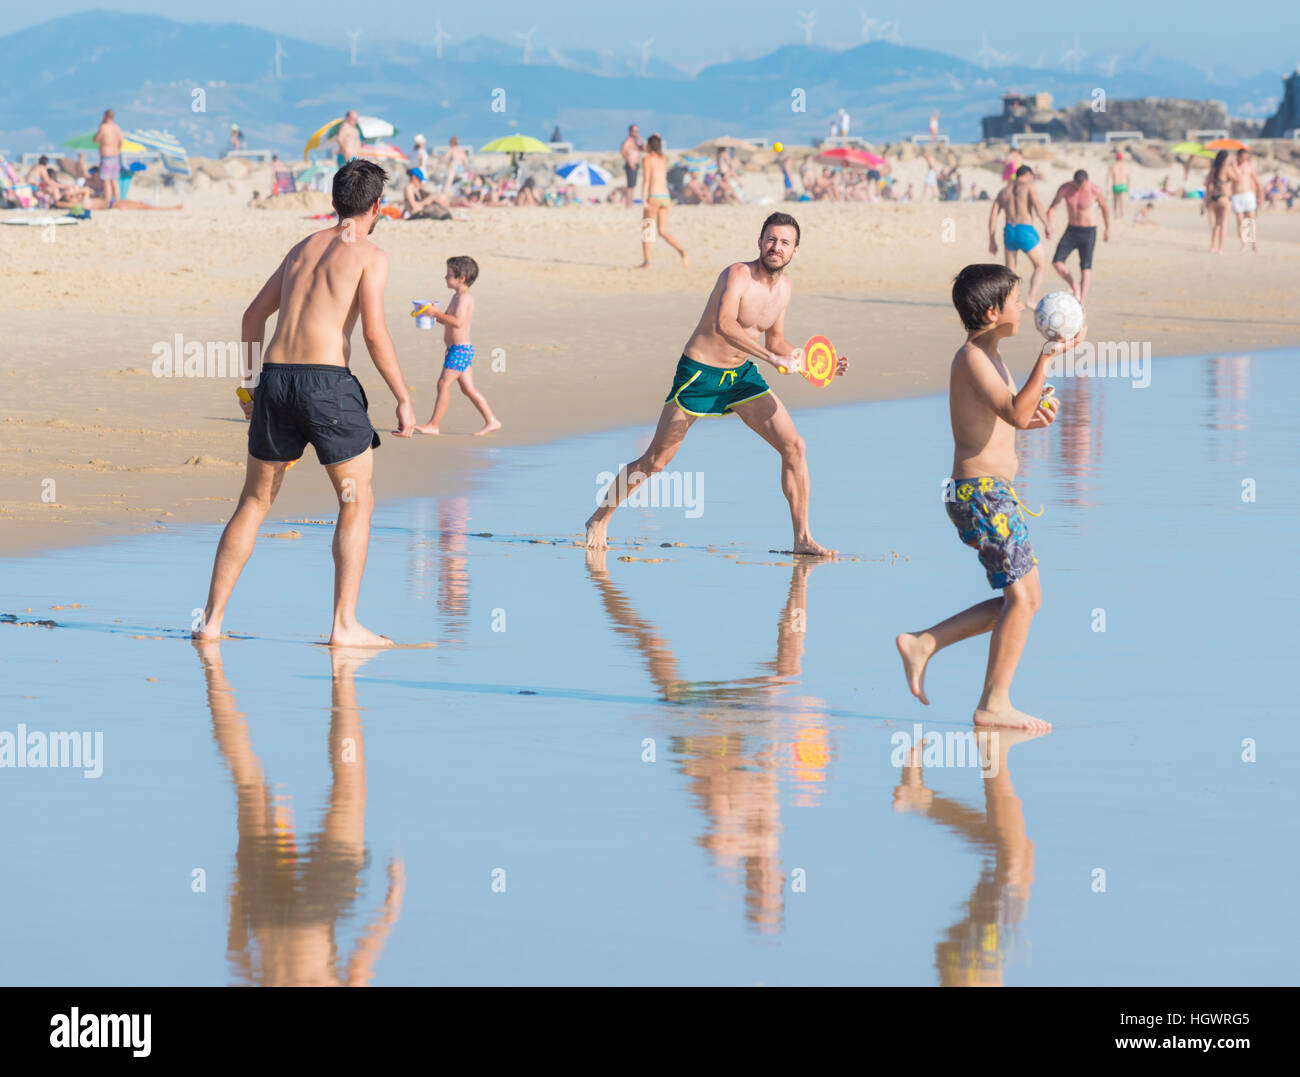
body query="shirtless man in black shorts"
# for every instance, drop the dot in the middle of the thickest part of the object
(306, 394)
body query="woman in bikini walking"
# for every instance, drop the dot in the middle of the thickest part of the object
(1217, 188)
(656, 201)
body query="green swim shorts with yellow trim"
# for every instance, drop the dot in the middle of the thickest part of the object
(700, 389)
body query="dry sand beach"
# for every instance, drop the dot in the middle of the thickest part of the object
(588, 341)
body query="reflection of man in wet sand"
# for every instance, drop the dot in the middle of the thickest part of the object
(974, 950)
(986, 411)
(1019, 201)
(286, 901)
(745, 316)
(736, 780)
(307, 394)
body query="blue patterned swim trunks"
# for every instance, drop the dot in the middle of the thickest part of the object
(986, 513)
(459, 357)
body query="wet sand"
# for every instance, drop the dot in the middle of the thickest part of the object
(686, 761)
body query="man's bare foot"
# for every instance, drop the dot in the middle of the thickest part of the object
(493, 424)
(357, 636)
(1010, 718)
(211, 630)
(813, 549)
(686, 260)
(643, 265)
(426, 428)
(915, 652)
(596, 539)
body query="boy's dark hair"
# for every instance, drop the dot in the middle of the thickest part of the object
(1024, 170)
(977, 288)
(654, 144)
(780, 218)
(356, 187)
(44, 160)
(1081, 176)
(464, 267)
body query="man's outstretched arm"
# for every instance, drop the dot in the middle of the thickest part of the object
(253, 331)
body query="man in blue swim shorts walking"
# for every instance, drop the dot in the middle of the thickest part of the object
(1019, 201)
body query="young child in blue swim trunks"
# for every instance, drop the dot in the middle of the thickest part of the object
(462, 272)
(986, 411)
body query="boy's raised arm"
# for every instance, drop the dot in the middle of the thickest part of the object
(370, 300)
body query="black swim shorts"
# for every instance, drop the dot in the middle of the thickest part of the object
(1077, 238)
(301, 404)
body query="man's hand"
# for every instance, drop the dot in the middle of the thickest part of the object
(993, 245)
(1046, 413)
(792, 363)
(246, 406)
(405, 420)
(1105, 236)
(841, 365)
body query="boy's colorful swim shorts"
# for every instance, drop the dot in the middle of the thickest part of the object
(459, 357)
(986, 513)
(700, 389)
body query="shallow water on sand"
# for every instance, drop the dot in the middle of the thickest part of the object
(487, 811)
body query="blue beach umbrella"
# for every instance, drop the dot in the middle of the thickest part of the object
(584, 172)
(164, 144)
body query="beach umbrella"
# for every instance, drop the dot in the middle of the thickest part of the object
(1225, 144)
(848, 157)
(164, 144)
(584, 172)
(725, 142)
(515, 144)
(87, 142)
(381, 151)
(371, 128)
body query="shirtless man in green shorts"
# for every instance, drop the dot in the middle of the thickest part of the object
(744, 318)
(1117, 177)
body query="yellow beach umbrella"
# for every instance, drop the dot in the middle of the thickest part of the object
(515, 144)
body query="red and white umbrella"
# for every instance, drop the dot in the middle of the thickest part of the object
(381, 151)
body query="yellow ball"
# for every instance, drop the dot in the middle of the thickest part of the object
(778, 146)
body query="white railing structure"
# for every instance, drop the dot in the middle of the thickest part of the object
(852, 141)
(921, 140)
(1205, 134)
(1025, 138)
(1125, 136)
(261, 156)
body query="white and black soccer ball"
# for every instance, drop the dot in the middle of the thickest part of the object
(1058, 316)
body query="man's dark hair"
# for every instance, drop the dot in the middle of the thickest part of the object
(464, 267)
(780, 218)
(654, 144)
(44, 160)
(1081, 176)
(356, 187)
(1024, 170)
(977, 288)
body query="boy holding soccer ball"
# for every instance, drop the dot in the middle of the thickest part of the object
(986, 411)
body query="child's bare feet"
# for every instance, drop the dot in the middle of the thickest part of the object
(915, 652)
(686, 260)
(492, 424)
(426, 428)
(1010, 718)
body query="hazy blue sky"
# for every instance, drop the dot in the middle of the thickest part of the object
(1201, 31)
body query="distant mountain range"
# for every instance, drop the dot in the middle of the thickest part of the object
(61, 74)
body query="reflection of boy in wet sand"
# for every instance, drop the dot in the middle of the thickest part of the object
(735, 782)
(974, 951)
(307, 395)
(286, 901)
(744, 317)
(986, 412)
